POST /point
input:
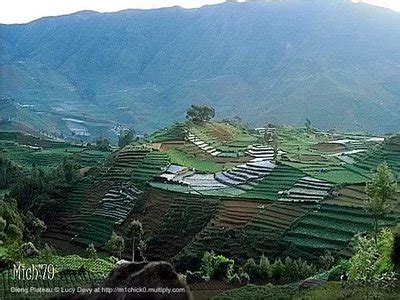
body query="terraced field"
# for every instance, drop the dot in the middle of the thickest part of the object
(331, 227)
(283, 177)
(216, 187)
(220, 140)
(70, 272)
(236, 214)
(181, 218)
(94, 210)
(276, 218)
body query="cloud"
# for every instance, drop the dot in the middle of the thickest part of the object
(392, 4)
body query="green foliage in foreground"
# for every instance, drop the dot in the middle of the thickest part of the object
(181, 158)
(327, 291)
(279, 271)
(371, 262)
(217, 266)
(70, 263)
(255, 292)
(338, 290)
(379, 194)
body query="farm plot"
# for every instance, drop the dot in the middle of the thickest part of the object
(236, 214)
(26, 156)
(276, 218)
(30, 140)
(88, 158)
(281, 178)
(118, 202)
(151, 205)
(219, 139)
(331, 227)
(153, 164)
(115, 203)
(369, 160)
(81, 279)
(245, 173)
(76, 211)
(92, 211)
(124, 162)
(183, 158)
(229, 242)
(184, 217)
(232, 242)
(353, 195)
(200, 182)
(70, 271)
(260, 151)
(332, 171)
(307, 189)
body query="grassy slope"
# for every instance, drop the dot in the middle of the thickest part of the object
(181, 158)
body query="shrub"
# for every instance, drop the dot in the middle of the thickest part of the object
(113, 259)
(251, 268)
(91, 251)
(193, 277)
(277, 270)
(265, 268)
(244, 278)
(234, 279)
(327, 260)
(303, 270)
(221, 267)
(207, 264)
(28, 250)
(372, 262)
(216, 266)
(339, 270)
(116, 244)
(396, 248)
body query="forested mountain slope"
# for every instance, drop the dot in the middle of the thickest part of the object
(334, 62)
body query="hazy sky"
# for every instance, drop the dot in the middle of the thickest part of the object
(22, 11)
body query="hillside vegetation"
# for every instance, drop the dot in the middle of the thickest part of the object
(287, 194)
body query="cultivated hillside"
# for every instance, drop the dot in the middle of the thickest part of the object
(335, 62)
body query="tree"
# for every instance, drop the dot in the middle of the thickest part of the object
(380, 192)
(116, 244)
(308, 125)
(371, 262)
(126, 137)
(3, 224)
(102, 144)
(216, 266)
(275, 145)
(14, 233)
(136, 233)
(265, 267)
(91, 251)
(327, 260)
(200, 113)
(34, 227)
(266, 139)
(29, 188)
(68, 168)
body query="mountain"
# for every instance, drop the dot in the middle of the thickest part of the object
(334, 62)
